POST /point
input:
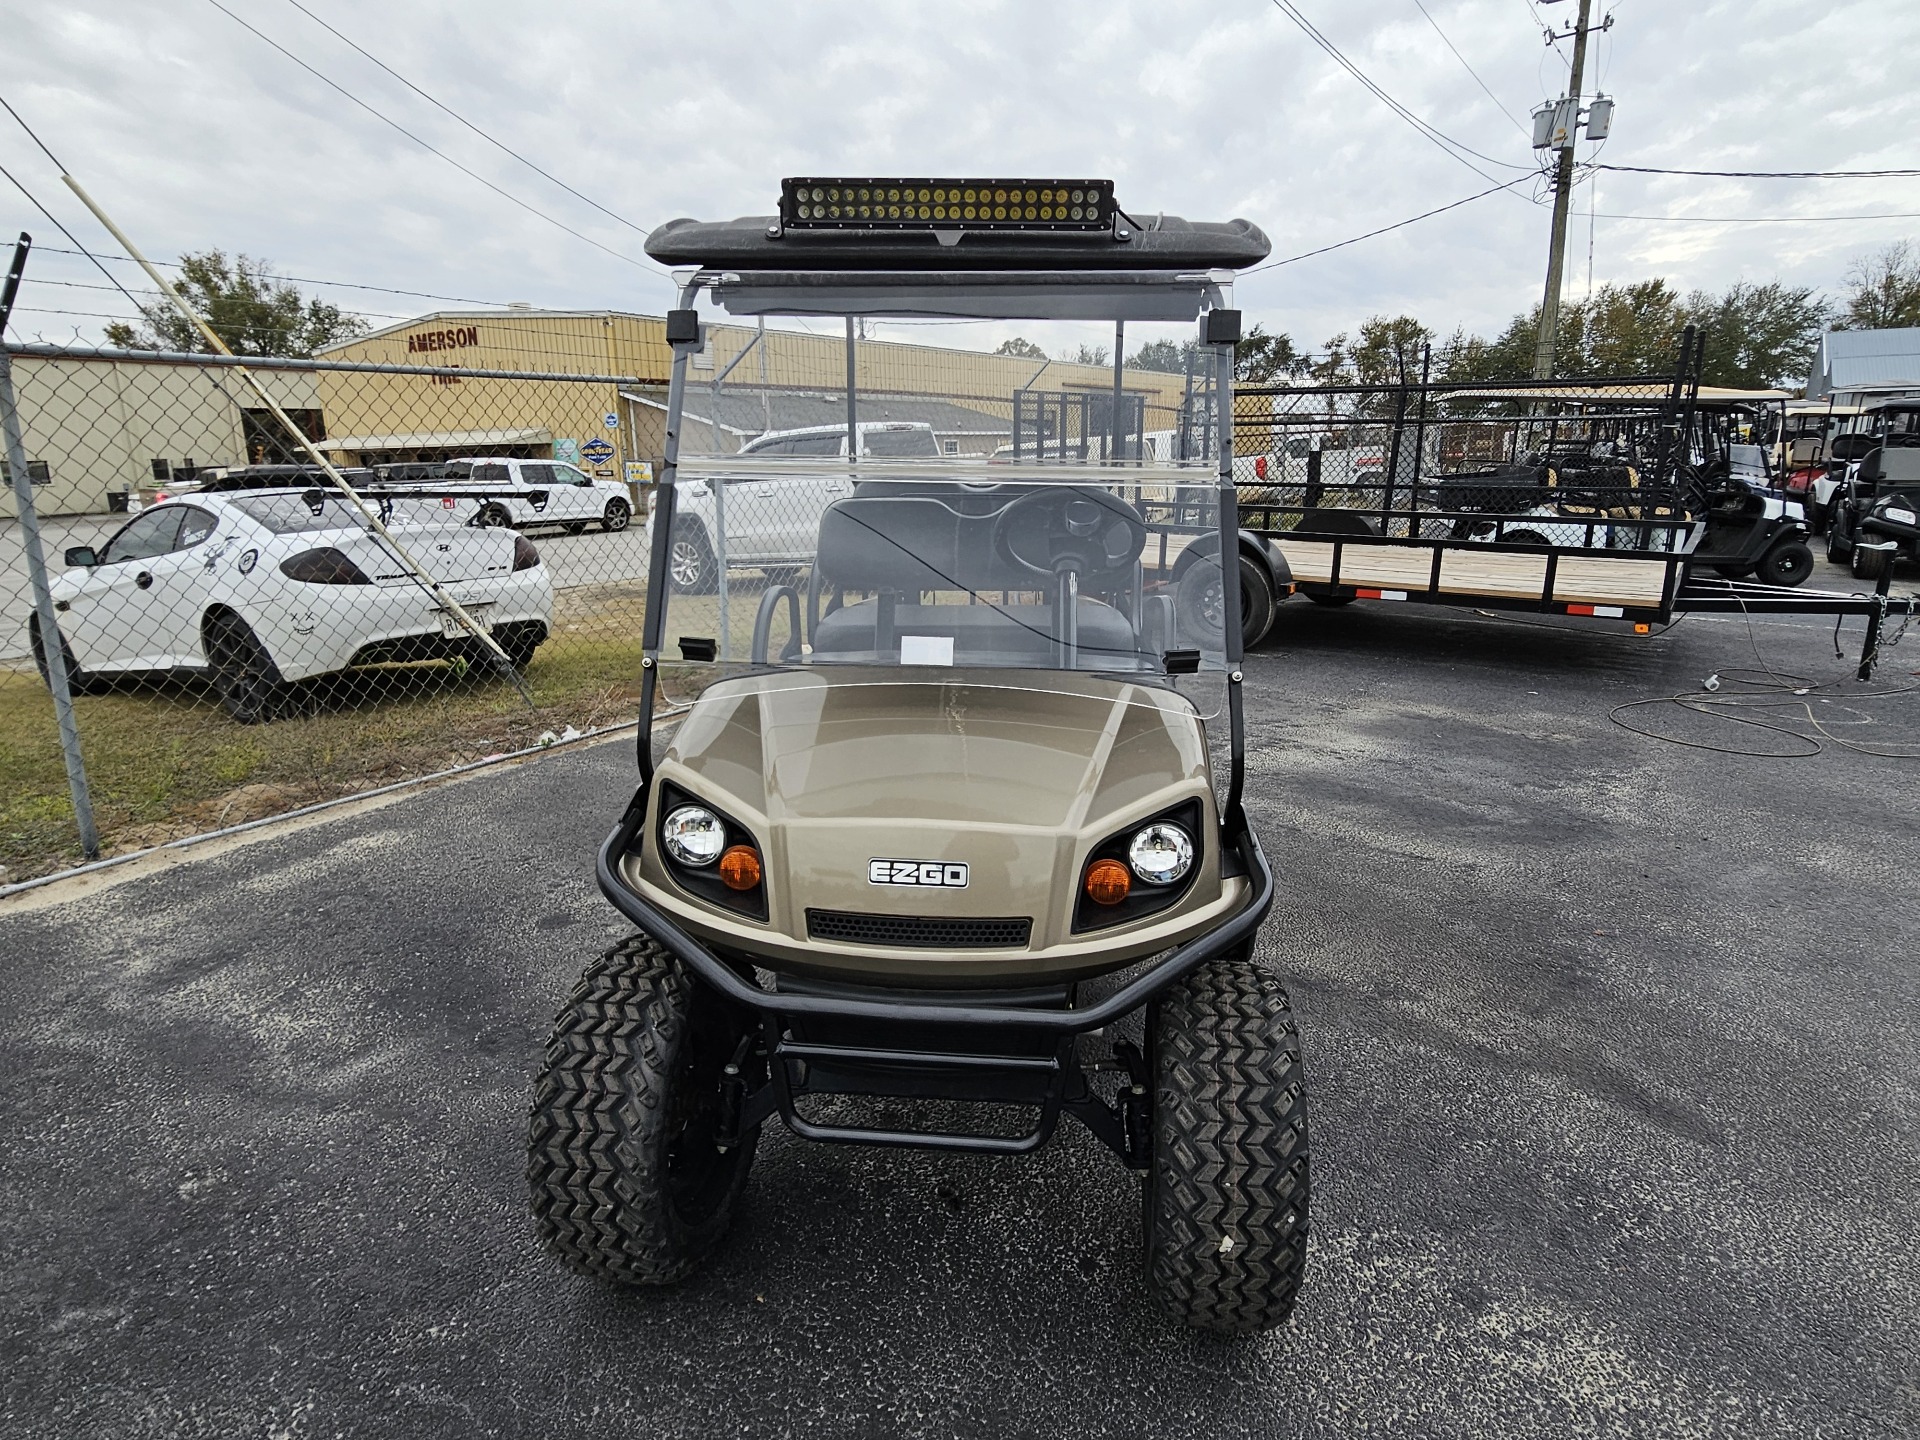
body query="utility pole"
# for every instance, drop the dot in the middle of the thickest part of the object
(1558, 127)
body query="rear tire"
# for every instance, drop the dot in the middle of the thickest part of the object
(494, 516)
(248, 682)
(1787, 563)
(628, 1184)
(1227, 1191)
(619, 515)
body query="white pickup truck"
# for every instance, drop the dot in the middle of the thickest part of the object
(520, 493)
(773, 520)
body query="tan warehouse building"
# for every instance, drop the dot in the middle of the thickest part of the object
(100, 428)
(743, 384)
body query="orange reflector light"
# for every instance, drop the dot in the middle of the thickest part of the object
(1642, 629)
(1108, 882)
(740, 867)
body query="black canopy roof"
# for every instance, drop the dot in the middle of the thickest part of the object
(1166, 243)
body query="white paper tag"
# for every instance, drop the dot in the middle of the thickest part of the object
(926, 650)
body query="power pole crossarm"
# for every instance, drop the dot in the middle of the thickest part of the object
(1562, 198)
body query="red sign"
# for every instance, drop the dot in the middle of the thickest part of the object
(455, 339)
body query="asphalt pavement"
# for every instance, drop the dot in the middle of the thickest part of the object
(1611, 1049)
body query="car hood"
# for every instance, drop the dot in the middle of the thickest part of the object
(1057, 752)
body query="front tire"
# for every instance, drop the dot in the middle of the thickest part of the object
(1787, 563)
(1867, 563)
(628, 1182)
(79, 682)
(1227, 1191)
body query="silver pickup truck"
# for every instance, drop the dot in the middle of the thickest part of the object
(773, 521)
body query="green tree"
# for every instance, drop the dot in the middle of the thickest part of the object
(249, 309)
(1022, 347)
(1884, 291)
(1757, 337)
(1264, 358)
(1089, 355)
(1163, 355)
(1389, 349)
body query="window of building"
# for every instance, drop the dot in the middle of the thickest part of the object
(950, 447)
(38, 473)
(162, 471)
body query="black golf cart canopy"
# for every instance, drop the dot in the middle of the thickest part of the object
(762, 243)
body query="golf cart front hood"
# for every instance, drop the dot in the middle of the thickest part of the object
(1016, 778)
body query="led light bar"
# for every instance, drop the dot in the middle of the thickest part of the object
(900, 204)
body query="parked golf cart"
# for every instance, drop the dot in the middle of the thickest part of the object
(949, 854)
(1876, 512)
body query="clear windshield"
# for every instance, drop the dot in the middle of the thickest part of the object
(1013, 513)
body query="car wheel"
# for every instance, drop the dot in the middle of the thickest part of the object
(1839, 544)
(1867, 563)
(521, 644)
(79, 682)
(494, 516)
(690, 562)
(1227, 1191)
(619, 515)
(1787, 563)
(244, 675)
(630, 1182)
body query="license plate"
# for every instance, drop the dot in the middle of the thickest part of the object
(451, 627)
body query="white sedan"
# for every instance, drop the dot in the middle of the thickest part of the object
(260, 588)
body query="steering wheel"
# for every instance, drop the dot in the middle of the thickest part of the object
(1061, 529)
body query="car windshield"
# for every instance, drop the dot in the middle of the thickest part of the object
(1075, 527)
(294, 513)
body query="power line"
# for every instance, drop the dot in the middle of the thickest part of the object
(1469, 68)
(471, 174)
(34, 201)
(497, 144)
(82, 285)
(1384, 229)
(302, 280)
(1765, 174)
(1445, 142)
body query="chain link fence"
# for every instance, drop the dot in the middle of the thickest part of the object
(241, 643)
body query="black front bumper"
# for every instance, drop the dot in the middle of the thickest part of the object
(1008, 1048)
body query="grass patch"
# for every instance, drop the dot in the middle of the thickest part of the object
(164, 761)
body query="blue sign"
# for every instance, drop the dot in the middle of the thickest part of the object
(597, 451)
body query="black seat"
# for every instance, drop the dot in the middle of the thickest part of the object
(983, 634)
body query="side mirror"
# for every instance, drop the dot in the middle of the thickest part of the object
(81, 557)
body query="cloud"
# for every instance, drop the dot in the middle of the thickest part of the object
(197, 134)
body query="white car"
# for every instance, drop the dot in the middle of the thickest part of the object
(521, 493)
(773, 520)
(259, 588)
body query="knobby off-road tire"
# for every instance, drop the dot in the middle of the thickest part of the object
(627, 1183)
(1226, 1211)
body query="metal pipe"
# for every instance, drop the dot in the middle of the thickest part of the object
(52, 648)
(853, 421)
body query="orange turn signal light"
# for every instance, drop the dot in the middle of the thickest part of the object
(740, 867)
(1108, 882)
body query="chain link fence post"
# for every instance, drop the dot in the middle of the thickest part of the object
(50, 650)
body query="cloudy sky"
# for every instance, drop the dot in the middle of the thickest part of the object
(196, 133)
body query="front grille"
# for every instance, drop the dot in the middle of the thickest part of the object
(919, 932)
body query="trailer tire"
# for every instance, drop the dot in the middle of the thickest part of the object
(628, 1184)
(1787, 563)
(1227, 1184)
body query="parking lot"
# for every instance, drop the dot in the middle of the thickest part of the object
(1610, 1049)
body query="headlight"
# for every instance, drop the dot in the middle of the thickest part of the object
(1899, 514)
(694, 835)
(1160, 854)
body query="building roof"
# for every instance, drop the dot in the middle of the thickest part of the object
(749, 411)
(429, 439)
(1852, 361)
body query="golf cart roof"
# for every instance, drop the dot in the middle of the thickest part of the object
(762, 243)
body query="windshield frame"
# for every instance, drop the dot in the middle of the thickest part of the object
(1111, 296)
